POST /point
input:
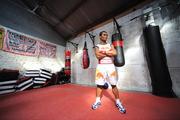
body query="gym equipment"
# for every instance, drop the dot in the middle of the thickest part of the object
(92, 37)
(157, 63)
(67, 62)
(85, 56)
(117, 42)
(105, 86)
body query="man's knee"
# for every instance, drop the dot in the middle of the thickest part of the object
(105, 86)
(113, 86)
(100, 86)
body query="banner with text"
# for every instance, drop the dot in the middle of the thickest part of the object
(23, 45)
(20, 44)
(47, 49)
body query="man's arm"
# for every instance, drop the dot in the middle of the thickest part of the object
(99, 55)
(112, 52)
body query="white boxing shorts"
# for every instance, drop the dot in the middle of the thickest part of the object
(106, 73)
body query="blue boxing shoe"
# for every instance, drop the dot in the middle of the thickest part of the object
(96, 105)
(121, 108)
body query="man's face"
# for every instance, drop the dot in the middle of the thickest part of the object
(103, 37)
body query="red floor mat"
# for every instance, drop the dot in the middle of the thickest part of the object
(73, 102)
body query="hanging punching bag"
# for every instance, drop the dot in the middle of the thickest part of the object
(85, 58)
(157, 62)
(117, 42)
(118, 45)
(67, 62)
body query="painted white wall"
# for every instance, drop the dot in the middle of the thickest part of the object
(134, 74)
(171, 40)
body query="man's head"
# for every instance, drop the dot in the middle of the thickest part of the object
(103, 35)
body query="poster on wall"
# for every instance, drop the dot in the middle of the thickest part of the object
(2, 33)
(23, 45)
(20, 44)
(47, 49)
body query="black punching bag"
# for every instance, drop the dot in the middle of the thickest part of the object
(85, 57)
(157, 63)
(117, 42)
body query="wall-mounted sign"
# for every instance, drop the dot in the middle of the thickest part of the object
(23, 45)
(47, 50)
(20, 44)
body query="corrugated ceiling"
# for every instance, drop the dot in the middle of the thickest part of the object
(71, 17)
